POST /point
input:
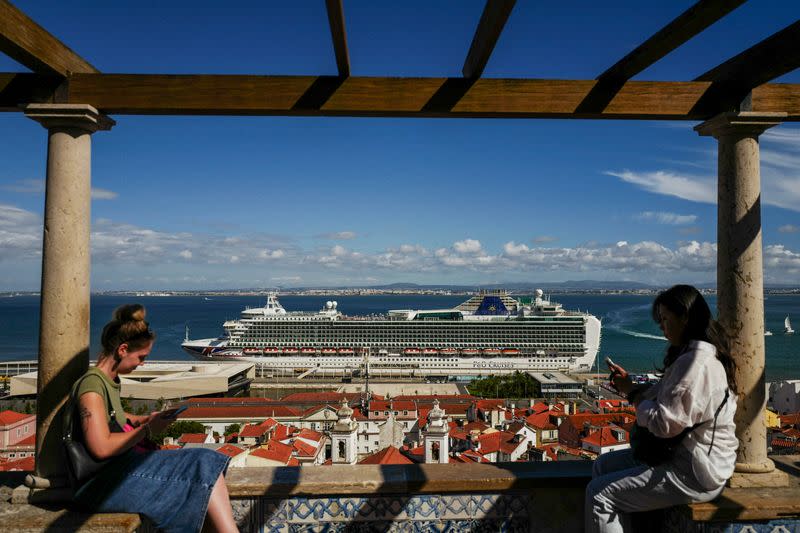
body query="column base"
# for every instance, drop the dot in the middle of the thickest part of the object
(741, 480)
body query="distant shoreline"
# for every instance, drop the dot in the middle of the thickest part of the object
(382, 292)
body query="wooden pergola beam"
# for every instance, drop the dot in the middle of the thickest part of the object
(733, 80)
(339, 36)
(493, 20)
(688, 24)
(31, 45)
(145, 94)
(775, 56)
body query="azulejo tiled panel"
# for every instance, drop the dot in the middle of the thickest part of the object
(679, 522)
(417, 513)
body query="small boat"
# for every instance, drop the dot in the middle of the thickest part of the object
(469, 351)
(271, 350)
(449, 351)
(308, 351)
(346, 351)
(430, 351)
(328, 351)
(290, 350)
(411, 351)
(787, 326)
(510, 351)
(767, 333)
(251, 351)
(491, 351)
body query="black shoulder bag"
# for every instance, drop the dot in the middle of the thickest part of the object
(653, 451)
(81, 465)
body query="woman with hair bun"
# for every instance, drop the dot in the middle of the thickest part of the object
(176, 489)
(683, 442)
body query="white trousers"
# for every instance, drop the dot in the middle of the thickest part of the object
(621, 485)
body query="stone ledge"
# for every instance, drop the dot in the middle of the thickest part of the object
(33, 518)
(744, 504)
(276, 482)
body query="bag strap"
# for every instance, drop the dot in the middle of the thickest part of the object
(716, 414)
(73, 403)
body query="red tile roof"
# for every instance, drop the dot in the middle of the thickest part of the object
(26, 464)
(540, 421)
(30, 440)
(241, 411)
(192, 438)
(12, 417)
(230, 450)
(255, 430)
(502, 441)
(303, 448)
(400, 405)
(387, 456)
(790, 419)
(310, 434)
(605, 437)
(275, 451)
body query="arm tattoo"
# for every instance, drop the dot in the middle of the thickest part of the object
(85, 413)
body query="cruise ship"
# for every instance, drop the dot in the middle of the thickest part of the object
(491, 333)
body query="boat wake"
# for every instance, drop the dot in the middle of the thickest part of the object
(620, 321)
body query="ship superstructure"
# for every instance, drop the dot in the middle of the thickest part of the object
(488, 334)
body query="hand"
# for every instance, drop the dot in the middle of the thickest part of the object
(158, 422)
(620, 380)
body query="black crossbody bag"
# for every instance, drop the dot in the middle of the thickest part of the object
(81, 465)
(653, 451)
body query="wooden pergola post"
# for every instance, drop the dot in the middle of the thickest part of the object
(740, 283)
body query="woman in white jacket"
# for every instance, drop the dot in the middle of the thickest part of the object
(693, 405)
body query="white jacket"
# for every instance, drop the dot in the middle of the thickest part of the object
(690, 392)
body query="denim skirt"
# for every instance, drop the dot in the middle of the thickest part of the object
(170, 487)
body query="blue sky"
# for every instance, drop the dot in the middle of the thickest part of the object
(210, 202)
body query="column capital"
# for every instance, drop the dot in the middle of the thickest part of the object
(744, 123)
(82, 116)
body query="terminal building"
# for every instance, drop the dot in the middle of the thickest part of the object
(557, 384)
(168, 381)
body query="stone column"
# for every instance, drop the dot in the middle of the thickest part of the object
(64, 321)
(740, 282)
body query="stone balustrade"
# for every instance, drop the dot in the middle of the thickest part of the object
(452, 497)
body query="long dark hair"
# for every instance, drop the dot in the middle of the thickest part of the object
(687, 302)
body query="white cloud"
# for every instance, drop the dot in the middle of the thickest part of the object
(37, 186)
(20, 234)
(662, 217)
(468, 246)
(338, 236)
(271, 254)
(103, 194)
(789, 228)
(186, 254)
(29, 186)
(692, 188)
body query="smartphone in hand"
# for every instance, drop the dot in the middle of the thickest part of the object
(611, 363)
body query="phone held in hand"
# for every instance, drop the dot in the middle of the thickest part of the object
(610, 363)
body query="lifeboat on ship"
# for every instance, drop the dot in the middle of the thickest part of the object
(411, 351)
(469, 351)
(430, 351)
(448, 351)
(308, 351)
(346, 351)
(510, 351)
(290, 350)
(328, 351)
(271, 350)
(251, 351)
(491, 351)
